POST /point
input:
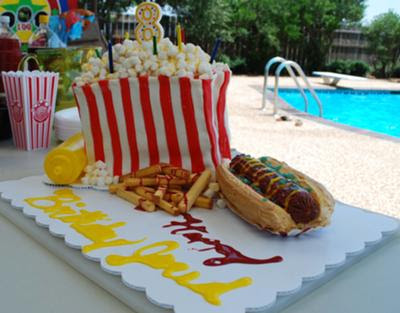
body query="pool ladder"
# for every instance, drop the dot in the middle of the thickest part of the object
(290, 67)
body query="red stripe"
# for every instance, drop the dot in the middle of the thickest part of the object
(24, 144)
(196, 156)
(45, 99)
(112, 125)
(37, 102)
(17, 126)
(223, 139)
(22, 123)
(94, 123)
(148, 120)
(208, 115)
(52, 103)
(17, 97)
(175, 157)
(130, 123)
(30, 110)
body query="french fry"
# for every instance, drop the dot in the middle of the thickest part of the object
(148, 206)
(193, 178)
(114, 187)
(124, 177)
(175, 187)
(148, 171)
(204, 203)
(159, 194)
(177, 197)
(136, 199)
(176, 171)
(171, 180)
(164, 186)
(163, 181)
(194, 192)
(144, 192)
(167, 197)
(166, 206)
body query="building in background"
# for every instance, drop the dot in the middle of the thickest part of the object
(349, 44)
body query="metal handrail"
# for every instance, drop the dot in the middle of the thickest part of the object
(266, 74)
(291, 73)
(289, 65)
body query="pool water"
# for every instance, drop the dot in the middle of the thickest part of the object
(371, 110)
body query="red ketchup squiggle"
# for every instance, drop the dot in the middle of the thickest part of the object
(230, 254)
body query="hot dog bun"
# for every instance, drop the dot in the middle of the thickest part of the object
(258, 210)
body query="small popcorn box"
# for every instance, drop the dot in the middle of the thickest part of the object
(132, 123)
(31, 100)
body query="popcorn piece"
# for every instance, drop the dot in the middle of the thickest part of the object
(165, 71)
(205, 76)
(182, 73)
(116, 179)
(190, 48)
(162, 55)
(93, 181)
(221, 203)
(102, 173)
(132, 72)
(85, 180)
(123, 73)
(139, 67)
(100, 165)
(100, 182)
(172, 51)
(205, 68)
(108, 180)
(88, 169)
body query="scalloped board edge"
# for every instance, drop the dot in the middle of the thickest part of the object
(137, 300)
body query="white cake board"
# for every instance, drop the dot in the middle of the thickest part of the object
(137, 300)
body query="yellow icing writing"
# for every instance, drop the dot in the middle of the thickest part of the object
(101, 236)
(54, 205)
(83, 217)
(58, 206)
(165, 261)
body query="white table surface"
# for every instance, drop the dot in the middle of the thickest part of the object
(370, 286)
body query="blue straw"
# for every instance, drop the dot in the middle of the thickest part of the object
(215, 50)
(110, 57)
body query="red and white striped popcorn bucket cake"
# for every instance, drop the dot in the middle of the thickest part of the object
(31, 98)
(131, 123)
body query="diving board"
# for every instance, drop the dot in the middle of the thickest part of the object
(333, 79)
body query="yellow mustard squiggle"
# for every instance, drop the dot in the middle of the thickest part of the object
(58, 206)
(165, 261)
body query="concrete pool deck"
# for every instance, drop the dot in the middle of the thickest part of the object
(358, 169)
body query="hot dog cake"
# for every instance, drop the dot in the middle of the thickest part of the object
(273, 196)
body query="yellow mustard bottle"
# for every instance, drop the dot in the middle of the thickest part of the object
(65, 164)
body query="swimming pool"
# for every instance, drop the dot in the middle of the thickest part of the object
(378, 111)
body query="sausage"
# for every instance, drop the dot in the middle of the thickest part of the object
(274, 186)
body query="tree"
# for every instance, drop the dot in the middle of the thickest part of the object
(204, 20)
(383, 36)
(255, 30)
